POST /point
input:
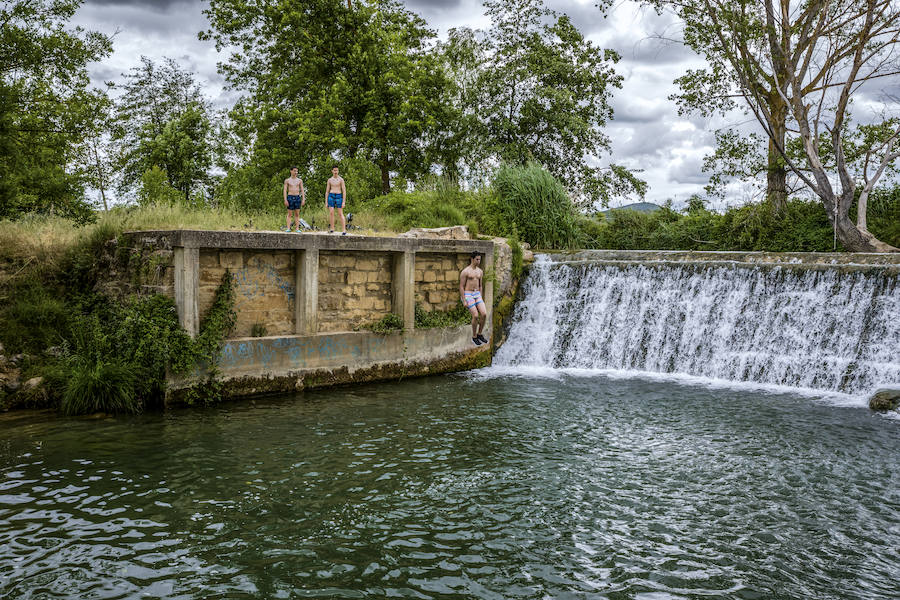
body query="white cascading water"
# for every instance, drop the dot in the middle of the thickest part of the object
(805, 328)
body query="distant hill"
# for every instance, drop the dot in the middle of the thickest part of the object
(638, 206)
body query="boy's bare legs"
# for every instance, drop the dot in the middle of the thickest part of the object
(482, 319)
(331, 215)
(343, 220)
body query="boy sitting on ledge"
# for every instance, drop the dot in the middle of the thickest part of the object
(470, 290)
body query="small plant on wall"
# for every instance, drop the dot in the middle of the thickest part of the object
(258, 330)
(386, 324)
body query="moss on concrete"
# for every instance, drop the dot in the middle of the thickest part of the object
(243, 387)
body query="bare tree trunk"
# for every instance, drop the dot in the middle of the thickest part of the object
(850, 235)
(861, 208)
(776, 180)
(385, 178)
(100, 176)
(776, 171)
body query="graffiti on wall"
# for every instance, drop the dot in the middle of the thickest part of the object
(299, 352)
(251, 283)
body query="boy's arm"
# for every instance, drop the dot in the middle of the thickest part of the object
(302, 193)
(462, 286)
(284, 192)
(344, 193)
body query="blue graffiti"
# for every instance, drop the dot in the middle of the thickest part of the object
(265, 354)
(251, 282)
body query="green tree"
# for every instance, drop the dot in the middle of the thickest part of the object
(325, 81)
(725, 33)
(162, 119)
(46, 106)
(539, 91)
(182, 149)
(799, 64)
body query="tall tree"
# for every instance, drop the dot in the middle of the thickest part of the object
(541, 92)
(46, 106)
(162, 119)
(800, 63)
(724, 32)
(325, 80)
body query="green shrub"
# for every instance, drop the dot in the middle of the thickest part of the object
(95, 377)
(406, 210)
(34, 318)
(386, 324)
(458, 315)
(154, 188)
(100, 386)
(801, 227)
(533, 201)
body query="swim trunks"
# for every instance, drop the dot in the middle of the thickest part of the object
(335, 200)
(294, 202)
(473, 298)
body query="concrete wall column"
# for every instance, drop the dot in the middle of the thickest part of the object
(403, 288)
(488, 267)
(306, 291)
(187, 288)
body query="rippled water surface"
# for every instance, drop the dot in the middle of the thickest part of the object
(459, 487)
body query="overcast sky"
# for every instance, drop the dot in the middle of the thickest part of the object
(646, 132)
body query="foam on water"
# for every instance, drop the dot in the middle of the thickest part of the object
(812, 331)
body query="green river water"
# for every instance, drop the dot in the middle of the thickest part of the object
(464, 486)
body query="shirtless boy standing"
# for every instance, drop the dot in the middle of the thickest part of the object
(470, 289)
(336, 197)
(294, 198)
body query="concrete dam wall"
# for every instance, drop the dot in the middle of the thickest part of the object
(302, 302)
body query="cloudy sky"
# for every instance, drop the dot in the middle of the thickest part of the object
(646, 133)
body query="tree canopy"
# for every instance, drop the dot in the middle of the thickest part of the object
(532, 88)
(46, 106)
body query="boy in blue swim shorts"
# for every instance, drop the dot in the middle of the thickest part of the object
(470, 290)
(294, 198)
(336, 198)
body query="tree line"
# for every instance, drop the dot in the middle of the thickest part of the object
(370, 85)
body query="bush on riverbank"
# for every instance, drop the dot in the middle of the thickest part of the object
(802, 227)
(95, 353)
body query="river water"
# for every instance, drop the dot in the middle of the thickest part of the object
(492, 484)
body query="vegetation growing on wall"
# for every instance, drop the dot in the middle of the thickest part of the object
(386, 324)
(458, 315)
(95, 352)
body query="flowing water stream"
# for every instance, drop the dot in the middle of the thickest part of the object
(629, 464)
(819, 329)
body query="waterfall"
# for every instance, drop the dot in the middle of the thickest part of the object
(825, 328)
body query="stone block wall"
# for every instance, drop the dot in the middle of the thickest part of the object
(354, 289)
(263, 285)
(437, 279)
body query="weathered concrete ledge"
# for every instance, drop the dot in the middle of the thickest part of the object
(844, 261)
(303, 302)
(254, 366)
(273, 240)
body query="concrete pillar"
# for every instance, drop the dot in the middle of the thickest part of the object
(187, 288)
(403, 288)
(488, 267)
(306, 291)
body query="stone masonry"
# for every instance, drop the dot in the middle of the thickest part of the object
(302, 302)
(437, 280)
